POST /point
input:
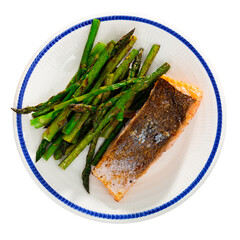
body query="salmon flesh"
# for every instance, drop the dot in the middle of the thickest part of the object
(152, 131)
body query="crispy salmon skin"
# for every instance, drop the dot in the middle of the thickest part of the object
(158, 123)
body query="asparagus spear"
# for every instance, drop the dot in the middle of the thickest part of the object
(71, 124)
(136, 65)
(87, 126)
(95, 53)
(48, 108)
(85, 129)
(45, 119)
(70, 148)
(122, 42)
(25, 110)
(43, 105)
(76, 138)
(75, 127)
(85, 176)
(149, 59)
(48, 124)
(96, 92)
(45, 110)
(132, 73)
(120, 115)
(52, 148)
(41, 149)
(109, 128)
(62, 117)
(56, 124)
(80, 135)
(139, 86)
(124, 75)
(87, 49)
(58, 154)
(89, 44)
(124, 65)
(108, 81)
(87, 169)
(102, 98)
(64, 146)
(110, 102)
(81, 108)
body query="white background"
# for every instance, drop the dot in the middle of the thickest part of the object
(212, 212)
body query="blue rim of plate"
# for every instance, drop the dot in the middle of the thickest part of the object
(132, 215)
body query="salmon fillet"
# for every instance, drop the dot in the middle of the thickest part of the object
(169, 108)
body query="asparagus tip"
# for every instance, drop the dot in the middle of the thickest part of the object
(61, 165)
(132, 31)
(85, 177)
(86, 186)
(16, 110)
(96, 20)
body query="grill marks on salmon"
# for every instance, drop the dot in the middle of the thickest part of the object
(155, 127)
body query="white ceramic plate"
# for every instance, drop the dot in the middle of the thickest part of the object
(174, 176)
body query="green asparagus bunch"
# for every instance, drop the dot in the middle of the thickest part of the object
(107, 90)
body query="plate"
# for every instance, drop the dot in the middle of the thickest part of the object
(175, 176)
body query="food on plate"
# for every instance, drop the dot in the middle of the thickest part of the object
(111, 87)
(169, 108)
